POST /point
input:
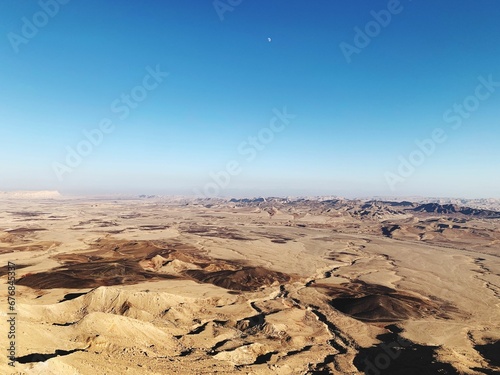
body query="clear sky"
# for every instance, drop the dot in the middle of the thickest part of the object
(281, 97)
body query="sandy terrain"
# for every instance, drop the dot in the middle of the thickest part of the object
(274, 286)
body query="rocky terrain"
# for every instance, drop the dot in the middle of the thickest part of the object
(253, 286)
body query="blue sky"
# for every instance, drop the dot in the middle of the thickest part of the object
(352, 120)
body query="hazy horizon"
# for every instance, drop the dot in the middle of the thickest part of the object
(386, 98)
(228, 194)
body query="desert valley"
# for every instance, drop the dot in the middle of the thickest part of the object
(155, 285)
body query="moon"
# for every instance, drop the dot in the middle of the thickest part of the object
(269, 39)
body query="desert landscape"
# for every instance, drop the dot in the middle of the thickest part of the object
(158, 285)
(250, 187)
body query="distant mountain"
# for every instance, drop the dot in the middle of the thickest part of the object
(438, 208)
(246, 200)
(454, 209)
(42, 194)
(370, 209)
(480, 203)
